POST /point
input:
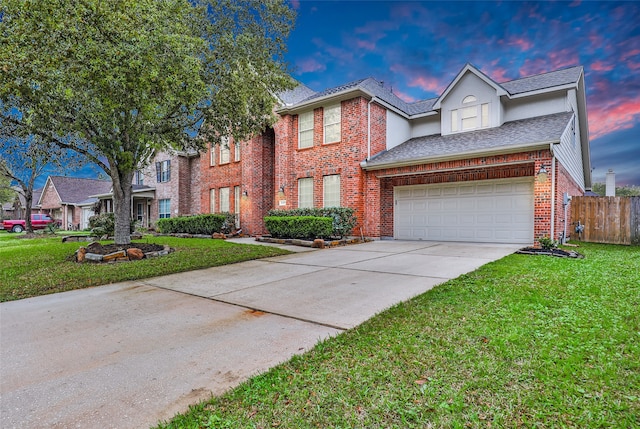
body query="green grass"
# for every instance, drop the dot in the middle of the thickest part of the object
(33, 267)
(527, 341)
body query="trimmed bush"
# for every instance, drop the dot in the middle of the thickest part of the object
(102, 224)
(302, 227)
(343, 218)
(201, 224)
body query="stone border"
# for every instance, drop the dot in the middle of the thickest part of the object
(317, 243)
(120, 256)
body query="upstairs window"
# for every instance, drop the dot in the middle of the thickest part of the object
(138, 178)
(332, 115)
(224, 150)
(237, 151)
(471, 116)
(163, 171)
(305, 130)
(212, 154)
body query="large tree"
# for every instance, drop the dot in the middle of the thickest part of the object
(119, 80)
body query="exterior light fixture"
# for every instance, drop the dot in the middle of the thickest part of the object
(543, 175)
(245, 193)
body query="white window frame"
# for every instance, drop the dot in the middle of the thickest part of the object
(165, 171)
(225, 151)
(236, 204)
(212, 200)
(164, 208)
(305, 130)
(470, 117)
(305, 192)
(224, 200)
(212, 155)
(332, 124)
(331, 191)
(236, 156)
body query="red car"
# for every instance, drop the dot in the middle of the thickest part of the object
(38, 221)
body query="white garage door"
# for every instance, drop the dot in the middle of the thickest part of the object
(497, 211)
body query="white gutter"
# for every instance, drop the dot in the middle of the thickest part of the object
(369, 127)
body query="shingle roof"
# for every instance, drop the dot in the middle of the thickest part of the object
(76, 190)
(543, 81)
(378, 89)
(296, 94)
(515, 134)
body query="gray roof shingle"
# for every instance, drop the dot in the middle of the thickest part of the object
(378, 89)
(543, 81)
(73, 190)
(513, 134)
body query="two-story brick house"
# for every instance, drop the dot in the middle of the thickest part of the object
(485, 161)
(169, 186)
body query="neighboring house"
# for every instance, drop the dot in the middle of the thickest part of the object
(16, 209)
(484, 162)
(167, 187)
(69, 200)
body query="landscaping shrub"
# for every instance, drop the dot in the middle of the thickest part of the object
(302, 227)
(102, 224)
(343, 218)
(201, 224)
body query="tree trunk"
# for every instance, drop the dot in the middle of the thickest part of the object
(122, 207)
(28, 199)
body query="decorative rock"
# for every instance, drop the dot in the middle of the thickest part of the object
(318, 243)
(218, 235)
(80, 254)
(94, 247)
(135, 254)
(93, 257)
(114, 255)
(136, 235)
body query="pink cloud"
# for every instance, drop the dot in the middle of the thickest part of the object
(404, 96)
(631, 65)
(629, 54)
(554, 61)
(499, 74)
(364, 44)
(601, 66)
(427, 83)
(610, 117)
(521, 43)
(310, 65)
(295, 4)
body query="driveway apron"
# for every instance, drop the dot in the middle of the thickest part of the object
(131, 354)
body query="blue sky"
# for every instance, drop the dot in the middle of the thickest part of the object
(419, 47)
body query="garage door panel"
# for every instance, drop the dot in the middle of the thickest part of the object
(487, 211)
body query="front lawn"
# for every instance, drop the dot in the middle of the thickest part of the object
(527, 341)
(39, 266)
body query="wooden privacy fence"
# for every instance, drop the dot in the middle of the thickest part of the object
(614, 220)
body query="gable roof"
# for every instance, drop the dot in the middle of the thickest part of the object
(73, 190)
(371, 88)
(524, 134)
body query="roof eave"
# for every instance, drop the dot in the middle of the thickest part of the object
(543, 90)
(469, 68)
(320, 101)
(462, 155)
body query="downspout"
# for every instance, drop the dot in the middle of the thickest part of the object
(553, 195)
(369, 127)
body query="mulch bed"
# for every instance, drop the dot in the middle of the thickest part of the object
(106, 249)
(550, 252)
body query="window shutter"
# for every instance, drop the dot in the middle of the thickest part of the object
(168, 170)
(158, 172)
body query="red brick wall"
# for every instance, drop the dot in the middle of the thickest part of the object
(341, 158)
(524, 164)
(49, 198)
(258, 179)
(218, 176)
(564, 183)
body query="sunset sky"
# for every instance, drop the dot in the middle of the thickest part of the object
(419, 47)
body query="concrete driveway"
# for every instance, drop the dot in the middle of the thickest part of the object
(131, 354)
